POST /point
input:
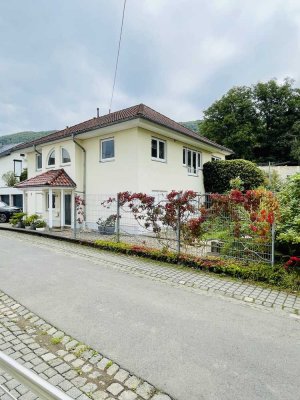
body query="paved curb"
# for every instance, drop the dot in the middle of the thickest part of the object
(75, 368)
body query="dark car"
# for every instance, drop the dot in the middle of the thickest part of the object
(7, 211)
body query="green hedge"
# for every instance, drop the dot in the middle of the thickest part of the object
(274, 276)
(217, 175)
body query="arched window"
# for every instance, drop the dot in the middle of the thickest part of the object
(65, 156)
(51, 158)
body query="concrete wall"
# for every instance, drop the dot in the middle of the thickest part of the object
(284, 171)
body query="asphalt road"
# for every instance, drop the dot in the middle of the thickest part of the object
(193, 346)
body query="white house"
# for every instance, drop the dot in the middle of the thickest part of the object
(11, 161)
(136, 149)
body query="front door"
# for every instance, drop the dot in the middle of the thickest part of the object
(68, 202)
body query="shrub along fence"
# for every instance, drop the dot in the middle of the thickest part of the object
(234, 225)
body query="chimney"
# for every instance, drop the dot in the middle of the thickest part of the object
(98, 112)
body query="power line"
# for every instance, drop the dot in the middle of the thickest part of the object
(117, 61)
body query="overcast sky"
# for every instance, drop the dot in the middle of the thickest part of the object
(57, 57)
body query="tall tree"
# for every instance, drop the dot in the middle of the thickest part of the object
(260, 123)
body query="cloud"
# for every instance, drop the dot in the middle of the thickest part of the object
(57, 58)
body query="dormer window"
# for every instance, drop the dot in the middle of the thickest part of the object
(65, 156)
(51, 158)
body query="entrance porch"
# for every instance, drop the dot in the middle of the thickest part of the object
(51, 195)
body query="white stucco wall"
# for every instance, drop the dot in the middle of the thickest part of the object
(132, 168)
(7, 164)
(165, 176)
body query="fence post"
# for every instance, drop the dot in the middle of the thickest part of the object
(118, 218)
(273, 244)
(178, 226)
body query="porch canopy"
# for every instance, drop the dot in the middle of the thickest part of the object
(56, 179)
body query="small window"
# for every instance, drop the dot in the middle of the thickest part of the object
(184, 156)
(39, 160)
(51, 159)
(65, 156)
(107, 150)
(53, 201)
(214, 158)
(17, 168)
(158, 150)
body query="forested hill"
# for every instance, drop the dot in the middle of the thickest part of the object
(193, 125)
(21, 137)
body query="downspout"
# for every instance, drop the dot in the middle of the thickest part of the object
(84, 177)
(36, 151)
(84, 164)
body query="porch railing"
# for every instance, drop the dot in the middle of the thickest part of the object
(37, 385)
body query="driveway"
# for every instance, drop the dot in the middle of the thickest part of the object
(190, 344)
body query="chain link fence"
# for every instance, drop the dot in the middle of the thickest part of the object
(199, 228)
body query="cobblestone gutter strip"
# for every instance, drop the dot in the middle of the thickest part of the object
(197, 281)
(73, 367)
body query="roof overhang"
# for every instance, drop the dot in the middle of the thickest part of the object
(142, 123)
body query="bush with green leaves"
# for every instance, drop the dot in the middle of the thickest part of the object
(9, 178)
(219, 174)
(17, 218)
(31, 219)
(288, 229)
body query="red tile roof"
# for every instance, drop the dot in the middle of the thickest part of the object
(52, 178)
(138, 111)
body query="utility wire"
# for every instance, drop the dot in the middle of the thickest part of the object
(117, 61)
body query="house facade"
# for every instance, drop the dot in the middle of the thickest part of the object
(136, 149)
(14, 162)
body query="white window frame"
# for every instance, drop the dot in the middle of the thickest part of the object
(111, 158)
(37, 155)
(164, 160)
(190, 169)
(61, 156)
(17, 162)
(48, 158)
(53, 201)
(215, 158)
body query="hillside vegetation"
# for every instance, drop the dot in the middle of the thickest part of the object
(193, 125)
(21, 137)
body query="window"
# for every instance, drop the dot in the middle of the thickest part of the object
(214, 158)
(65, 156)
(38, 161)
(17, 168)
(53, 201)
(158, 150)
(51, 159)
(107, 150)
(192, 160)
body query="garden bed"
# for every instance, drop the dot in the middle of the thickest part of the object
(275, 276)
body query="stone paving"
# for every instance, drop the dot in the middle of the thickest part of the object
(196, 280)
(73, 367)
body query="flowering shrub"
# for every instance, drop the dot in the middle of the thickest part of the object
(172, 213)
(80, 204)
(230, 218)
(292, 264)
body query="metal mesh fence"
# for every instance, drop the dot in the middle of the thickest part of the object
(200, 228)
